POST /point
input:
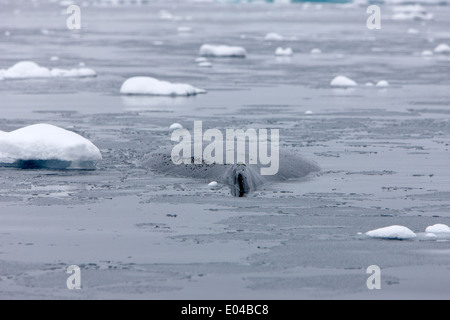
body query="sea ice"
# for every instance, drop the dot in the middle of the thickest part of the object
(392, 232)
(342, 81)
(382, 83)
(152, 86)
(175, 126)
(46, 145)
(438, 228)
(272, 36)
(205, 64)
(30, 69)
(316, 51)
(283, 52)
(222, 51)
(442, 48)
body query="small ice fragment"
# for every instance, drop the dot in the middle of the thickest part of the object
(213, 184)
(205, 64)
(427, 53)
(222, 51)
(392, 232)
(342, 81)
(438, 228)
(442, 48)
(175, 126)
(369, 84)
(201, 59)
(283, 52)
(308, 112)
(152, 86)
(382, 83)
(316, 51)
(412, 31)
(54, 58)
(272, 36)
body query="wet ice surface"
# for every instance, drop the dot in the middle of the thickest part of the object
(384, 155)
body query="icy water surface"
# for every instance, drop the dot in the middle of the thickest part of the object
(383, 152)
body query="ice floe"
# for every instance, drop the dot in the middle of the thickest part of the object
(284, 52)
(205, 64)
(30, 69)
(316, 51)
(427, 53)
(438, 228)
(382, 83)
(152, 86)
(272, 36)
(213, 184)
(392, 232)
(442, 48)
(342, 81)
(411, 12)
(175, 126)
(46, 146)
(222, 51)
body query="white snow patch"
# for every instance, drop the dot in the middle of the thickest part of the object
(205, 64)
(427, 53)
(342, 81)
(392, 232)
(222, 51)
(442, 48)
(46, 142)
(175, 126)
(272, 36)
(152, 86)
(213, 184)
(438, 228)
(382, 83)
(283, 52)
(30, 69)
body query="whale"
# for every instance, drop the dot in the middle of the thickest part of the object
(241, 178)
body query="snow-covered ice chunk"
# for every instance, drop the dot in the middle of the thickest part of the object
(45, 145)
(392, 232)
(342, 81)
(175, 126)
(442, 48)
(382, 83)
(222, 51)
(309, 112)
(30, 69)
(205, 64)
(152, 86)
(283, 52)
(316, 51)
(26, 69)
(213, 184)
(272, 36)
(427, 53)
(438, 228)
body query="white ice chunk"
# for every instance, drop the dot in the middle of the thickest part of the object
(427, 53)
(392, 232)
(382, 83)
(342, 81)
(175, 126)
(184, 29)
(213, 184)
(152, 86)
(438, 228)
(30, 69)
(442, 48)
(46, 142)
(205, 64)
(272, 36)
(316, 51)
(222, 51)
(283, 52)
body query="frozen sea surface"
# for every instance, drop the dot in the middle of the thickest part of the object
(384, 153)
